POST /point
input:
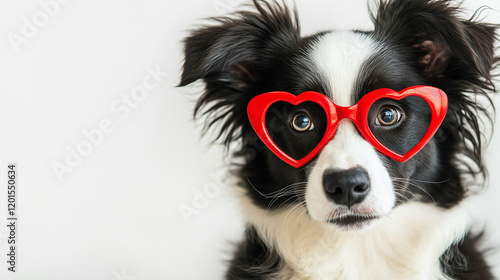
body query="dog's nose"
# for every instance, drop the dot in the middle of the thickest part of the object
(346, 187)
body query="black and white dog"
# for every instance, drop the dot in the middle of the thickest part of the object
(351, 212)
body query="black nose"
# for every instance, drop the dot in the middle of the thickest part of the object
(346, 187)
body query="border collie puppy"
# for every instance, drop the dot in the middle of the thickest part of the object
(353, 210)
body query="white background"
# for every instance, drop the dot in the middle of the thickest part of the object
(116, 214)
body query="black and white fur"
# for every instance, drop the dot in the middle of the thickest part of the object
(413, 223)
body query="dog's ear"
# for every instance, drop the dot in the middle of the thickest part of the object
(453, 54)
(441, 44)
(231, 57)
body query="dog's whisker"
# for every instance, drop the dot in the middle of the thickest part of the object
(284, 202)
(401, 195)
(294, 208)
(413, 183)
(290, 192)
(423, 181)
(275, 193)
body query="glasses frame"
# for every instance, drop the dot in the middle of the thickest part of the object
(357, 113)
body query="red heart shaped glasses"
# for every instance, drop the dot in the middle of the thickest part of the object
(358, 113)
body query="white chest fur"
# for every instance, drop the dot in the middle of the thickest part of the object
(405, 245)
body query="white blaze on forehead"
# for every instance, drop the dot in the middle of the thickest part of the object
(340, 57)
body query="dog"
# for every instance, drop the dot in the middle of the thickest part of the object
(344, 166)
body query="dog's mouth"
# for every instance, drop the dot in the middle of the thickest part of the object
(352, 221)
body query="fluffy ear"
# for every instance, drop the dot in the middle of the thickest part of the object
(441, 44)
(453, 54)
(231, 55)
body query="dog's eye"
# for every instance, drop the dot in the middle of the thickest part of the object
(301, 122)
(388, 116)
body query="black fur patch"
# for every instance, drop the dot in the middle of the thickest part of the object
(253, 259)
(464, 260)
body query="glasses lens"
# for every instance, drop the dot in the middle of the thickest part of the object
(296, 130)
(399, 125)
